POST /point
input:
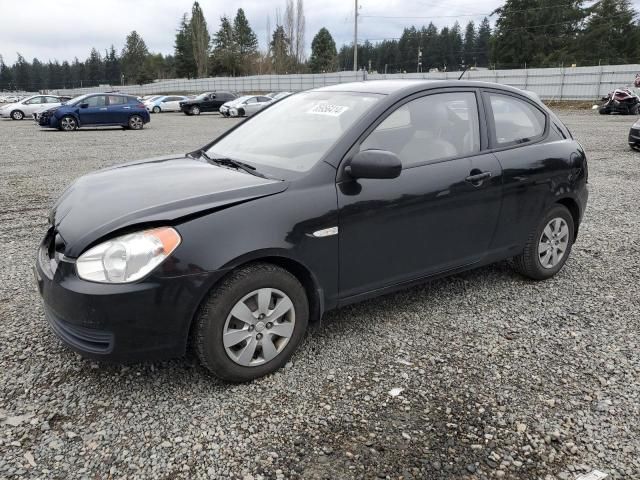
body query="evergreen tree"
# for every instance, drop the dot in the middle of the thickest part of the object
(469, 45)
(185, 64)
(536, 32)
(133, 56)
(54, 75)
(611, 34)
(112, 69)
(483, 43)
(6, 77)
(224, 58)
(323, 52)
(22, 74)
(246, 42)
(95, 68)
(199, 40)
(280, 50)
(65, 75)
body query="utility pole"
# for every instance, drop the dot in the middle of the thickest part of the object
(355, 39)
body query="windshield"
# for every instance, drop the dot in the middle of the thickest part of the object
(296, 132)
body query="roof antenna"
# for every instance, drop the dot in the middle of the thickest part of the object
(463, 72)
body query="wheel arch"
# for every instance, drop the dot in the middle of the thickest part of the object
(303, 274)
(573, 207)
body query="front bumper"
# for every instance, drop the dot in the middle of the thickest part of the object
(634, 138)
(142, 321)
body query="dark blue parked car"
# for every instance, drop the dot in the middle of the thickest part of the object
(97, 109)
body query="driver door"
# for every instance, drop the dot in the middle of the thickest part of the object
(95, 111)
(436, 216)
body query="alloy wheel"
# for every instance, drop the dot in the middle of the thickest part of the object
(17, 115)
(68, 123)
(259, 327)
(553, 242)
(195, 111)
(135, 122)
(156, 109)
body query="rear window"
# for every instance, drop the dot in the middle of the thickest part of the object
(516, 121)
(133, 100)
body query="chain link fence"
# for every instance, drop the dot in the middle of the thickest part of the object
(571, 83)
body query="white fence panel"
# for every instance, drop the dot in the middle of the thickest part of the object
(577, 83)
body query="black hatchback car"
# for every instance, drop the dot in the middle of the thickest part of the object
(325, 198)
(206, 102)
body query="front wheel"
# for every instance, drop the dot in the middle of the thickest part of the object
(136, 122)
(156, 109)
(252, 323)
(17, 115)
(68, 123)
(195, 110)
(548, 246)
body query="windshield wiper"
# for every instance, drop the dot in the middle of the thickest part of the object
(229, 162)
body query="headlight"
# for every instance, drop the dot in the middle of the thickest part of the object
(233, 111)
(637, 124)
(127, 258)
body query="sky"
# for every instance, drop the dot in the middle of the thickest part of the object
(64, 29)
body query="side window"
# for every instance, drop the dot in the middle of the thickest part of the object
(516, 121)
(265, 99)
(430, 128)
(52, 100)
(251, 100)
(96, 101)
(35, 101)
(116, 100)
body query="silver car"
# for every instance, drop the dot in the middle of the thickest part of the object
(245, 106)
(28, 106)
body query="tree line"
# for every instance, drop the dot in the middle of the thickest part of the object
(525, 33)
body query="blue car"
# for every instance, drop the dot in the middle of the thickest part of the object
(97, 110)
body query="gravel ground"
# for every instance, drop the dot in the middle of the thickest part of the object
(499, 377)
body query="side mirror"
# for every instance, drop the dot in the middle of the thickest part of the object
(374, 164)
(84, 105)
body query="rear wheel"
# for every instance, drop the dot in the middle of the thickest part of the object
(252, 323)
(195, 110)
(156, 109)
(136, 122)
(548, 246)
(17, 115)
(604, 110)
(68, 123)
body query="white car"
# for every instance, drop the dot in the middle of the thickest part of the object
(29, 106)
(164, 103)
(245, 106)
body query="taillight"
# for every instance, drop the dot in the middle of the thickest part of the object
(141, 105)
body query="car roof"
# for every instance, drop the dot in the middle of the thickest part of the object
(408, 87)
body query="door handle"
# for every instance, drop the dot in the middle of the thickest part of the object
(477, 177)
(103, 108)
(127, 108)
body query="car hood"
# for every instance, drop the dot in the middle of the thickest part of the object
(157, 190)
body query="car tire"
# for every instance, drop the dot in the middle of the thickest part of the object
(68, 123)
(548, 246)
(135, 122)
(195, 110)
(241, 112)
(156, 109)
(244, 356)
(17, 115)
(604, 110)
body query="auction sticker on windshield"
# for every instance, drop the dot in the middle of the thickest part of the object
(328, 109)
